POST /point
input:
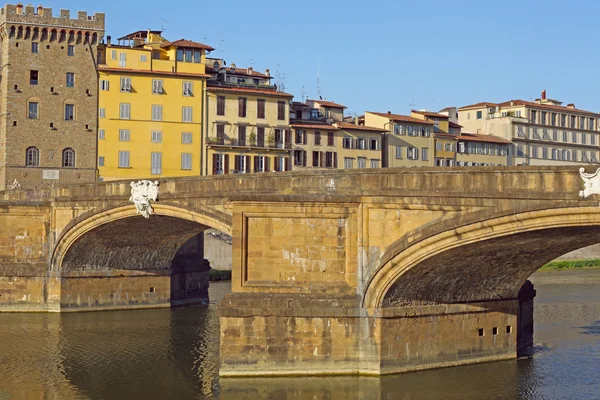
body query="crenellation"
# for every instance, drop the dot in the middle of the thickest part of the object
(65, 14)
(82, 15)
(43, 16)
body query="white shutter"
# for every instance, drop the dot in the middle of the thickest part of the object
(156, 112)
(101, 134)
(124, 135)
(187, 114)
(186, 161)
(124, 111)
(123, 159)
(186, 137)
(122, 59)
(102, 113)
(156, 163)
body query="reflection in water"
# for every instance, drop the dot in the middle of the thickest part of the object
(174, 354)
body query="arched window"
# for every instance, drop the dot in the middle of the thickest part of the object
(68, 157)
(32, 157)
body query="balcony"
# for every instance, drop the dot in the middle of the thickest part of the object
(247, 143)
(249, 85)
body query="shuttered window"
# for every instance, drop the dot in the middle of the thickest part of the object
(156, 136)
(123, 159)
(187, 114)
(186, 161)
(124, 135)
(156, 163)
(124, 111)
(156, 112)
(186, 137)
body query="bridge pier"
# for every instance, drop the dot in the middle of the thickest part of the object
(287, 334)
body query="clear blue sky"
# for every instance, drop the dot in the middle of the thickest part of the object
(382, 55)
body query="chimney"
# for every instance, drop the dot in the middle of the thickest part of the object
(249, 70)
(267, 72)
(356, 120)
(571, 105)
(108, 40)
(40, 10)
(389, 113)
(512, 102)
(19, 8)
(544, 94)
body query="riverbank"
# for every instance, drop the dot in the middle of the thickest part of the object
(219, 275)
(572, 264)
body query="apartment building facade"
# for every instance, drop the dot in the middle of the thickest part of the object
(150, 106)
(48, 96)
(543, 132)
(247, 122)
(322, 139)
(407, 141)
(478, 150)
(443, 135)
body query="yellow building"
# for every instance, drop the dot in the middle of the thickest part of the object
(150, 106)
(323, 140)
(475, 150)
(247, 127)
(444, 137)
(408, 141)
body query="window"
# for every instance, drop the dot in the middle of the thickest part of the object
(573, 120)
(32, 157)
(188, 88)
(35, 47)
(534, 152)
(180, 54)
(259, 164)
(156, 168)
(124, 135)
(197, 56)
(592, 125)
(242, 107)
(317, 138)
(123, 159)
(555, 135)
(143, 58)
(281, 110)
(101, 161)
(260, 108)
(574, 137)
(348, 163)
(479, 114)
(260, 136)
(70, 50)
(373, 144)
(398, 130)
(189, 55)
(448, 146)
(361, 143)
(122, 59)
(583, 138)
(70, 79)
(187, 114)
(330, 139)
(412, 153)
(533, 119)
(362, 162)
(221, 105)
(565, 137)
(156, 137)
(241, 164)
(424, 154)
(156, 112)
(125, 84)
(69, 112)
(315, 157)
(330, 159)
(157, 86)
(102, 113)
(186, 137)
(33, 77)
(104, 84)
(186, 161)
(592, 139)
(544, 113)
(113, 54)
(425, 131)
(563, 120)
(374, 163)
(399, 152)
(438, 146)
(33, 110)
(347, 142)
(581, 122)
(68, 158)
(242, 135)
(101, 134)
(124, 111)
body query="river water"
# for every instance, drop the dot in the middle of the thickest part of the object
(173, 353)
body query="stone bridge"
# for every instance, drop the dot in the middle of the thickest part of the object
(334, 272)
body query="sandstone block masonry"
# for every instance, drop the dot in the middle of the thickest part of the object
(48, 96)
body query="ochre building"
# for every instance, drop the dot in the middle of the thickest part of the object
(150, 106)
(48, 96)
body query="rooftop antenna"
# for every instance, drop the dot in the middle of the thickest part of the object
(319, 78)
(412, 105)
(163, 23)
(302, 95)
(251, 63)
(279, 79)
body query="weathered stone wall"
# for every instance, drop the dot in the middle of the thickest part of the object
(217, 249)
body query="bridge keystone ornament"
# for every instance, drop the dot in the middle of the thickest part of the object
(592, 183)
(142, 192)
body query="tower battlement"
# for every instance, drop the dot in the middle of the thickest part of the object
(43, 16)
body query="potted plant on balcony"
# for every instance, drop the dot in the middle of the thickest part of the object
(271, 139)
(212, 140)
(252, 139)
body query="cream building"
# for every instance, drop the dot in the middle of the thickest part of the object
(407, 141)
(477, 150)
(543, 132)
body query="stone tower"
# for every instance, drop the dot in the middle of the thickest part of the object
(48, 96)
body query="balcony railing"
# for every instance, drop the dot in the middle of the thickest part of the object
(266, 144)
(215, 83)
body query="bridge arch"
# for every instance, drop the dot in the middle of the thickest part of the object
(87, 223)
(480, 261)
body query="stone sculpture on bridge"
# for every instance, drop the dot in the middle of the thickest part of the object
(142, 192)
(592, 183)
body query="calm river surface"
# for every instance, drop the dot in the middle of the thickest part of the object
(162, 354)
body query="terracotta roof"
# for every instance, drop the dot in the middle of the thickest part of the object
(478, 105)
(346, 125)
(444, 135)
(314, 125)
(328, 103)
(138, 35)
(241, 71)
(401, 118)
(148, 72)
(265, 92)
(546, 106)
(446, 109)
(430, 114)
(188, 44)
(474, 137)
(118, 46)
(454, 125)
